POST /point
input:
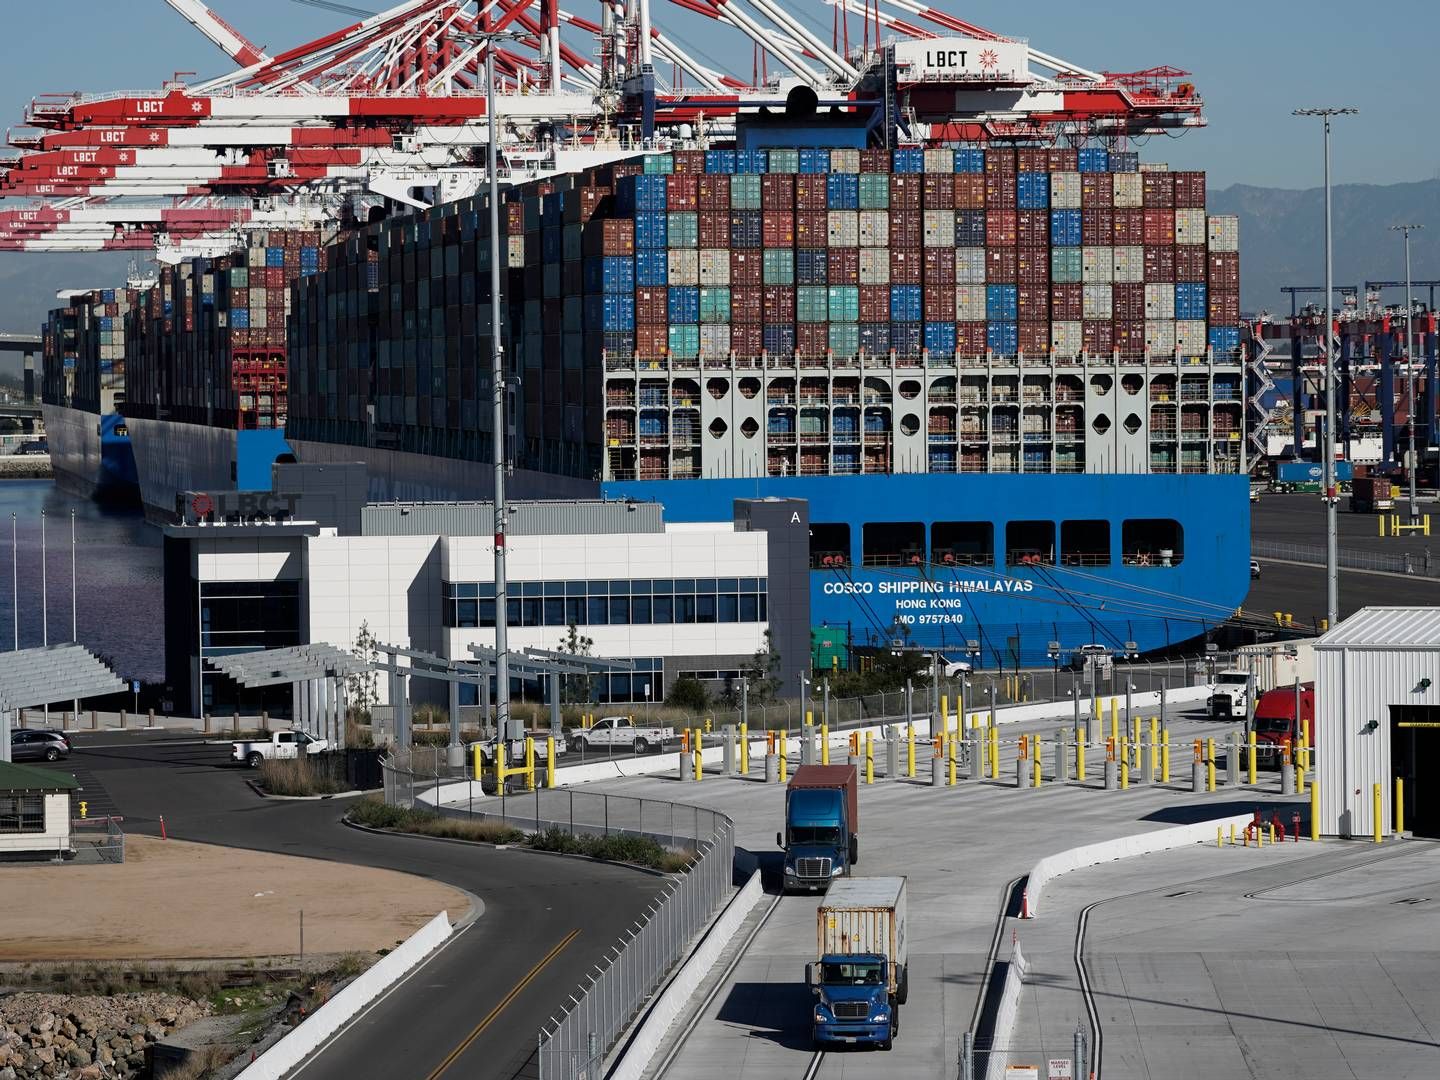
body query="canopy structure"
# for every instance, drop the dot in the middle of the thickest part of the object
(31, 677)
(316, 674)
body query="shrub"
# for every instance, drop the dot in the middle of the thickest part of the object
(295, 777)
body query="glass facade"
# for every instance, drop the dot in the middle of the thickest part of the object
(242, 617)
(631, 602)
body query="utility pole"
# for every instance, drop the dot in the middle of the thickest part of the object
(1410, 461)
(497, 376)
(1332, 555)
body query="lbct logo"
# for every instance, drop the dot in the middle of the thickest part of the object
(989, 58)
(202, 505)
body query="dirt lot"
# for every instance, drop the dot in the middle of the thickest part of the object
(172, 900)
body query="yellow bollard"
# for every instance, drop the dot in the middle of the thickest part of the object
(1209, 764)
(1232, 834)
(699, 758)
(1080, 755)
(1037, 761)
(1165, 755)
(529, 763)
(994, 752)
(910, 750)
(549, 761)
(1259, 838)
(500, 765)
(1382, 526)
(953, 744)
(477, 767)
(1272, 834)
(744, 750)
(1124, 764)
(1379, 814)
(1399, 805)
(783, 739)
(708, 722)
(1154, 746)
(84, 809)
(945, 712)
(824, 744)
(1114, 722)
(1315, 811)
(869, 757)
(1219, 837)
(1251, 770)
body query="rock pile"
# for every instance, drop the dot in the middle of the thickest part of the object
(86, 1038)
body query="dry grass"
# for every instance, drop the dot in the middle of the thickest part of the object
(295, 777)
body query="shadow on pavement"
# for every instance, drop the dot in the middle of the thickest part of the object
(1208, 810)
(762, 1006)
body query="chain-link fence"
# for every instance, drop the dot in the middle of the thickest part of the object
(1314, 554)
(97, 840)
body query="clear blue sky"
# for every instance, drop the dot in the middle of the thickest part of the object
(1253, 62)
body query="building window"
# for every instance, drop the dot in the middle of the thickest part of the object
(645, 683)
(1029, 542)
(1085, 543)
(1152, 542)
(829, 546)
(893, 543)
(639, 602)
(22, 813)
(963, 543)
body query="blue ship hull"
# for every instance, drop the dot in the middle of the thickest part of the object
(1110, 596)
(118, 476)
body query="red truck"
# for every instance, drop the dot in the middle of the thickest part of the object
(1275, 721)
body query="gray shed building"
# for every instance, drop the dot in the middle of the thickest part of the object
(1377, 703)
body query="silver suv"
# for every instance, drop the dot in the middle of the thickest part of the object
(38, 744)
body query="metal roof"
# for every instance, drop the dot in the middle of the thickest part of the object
(31, 677)
(1386, 627)
(28, 778)
(562, 517)
(297, 663)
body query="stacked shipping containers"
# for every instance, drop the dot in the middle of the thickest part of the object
(208, 341)
(83, 347)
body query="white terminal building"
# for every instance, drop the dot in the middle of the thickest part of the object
(316, 563)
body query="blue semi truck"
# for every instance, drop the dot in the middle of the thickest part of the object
(822, 826)
(860, 977)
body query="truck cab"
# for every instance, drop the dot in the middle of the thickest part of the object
(853, 1003)
(821, 839)
(1275, 721)
(1230, 698)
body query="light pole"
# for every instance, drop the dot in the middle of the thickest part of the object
(1410, 369)
(1332, 556)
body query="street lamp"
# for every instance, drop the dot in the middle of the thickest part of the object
(1332, 558)
(1410, 368)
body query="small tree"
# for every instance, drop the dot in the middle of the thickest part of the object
(363, 687)
(688, 693)
(577, 689)
(762, 675)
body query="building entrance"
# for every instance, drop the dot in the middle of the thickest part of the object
(1414, 758)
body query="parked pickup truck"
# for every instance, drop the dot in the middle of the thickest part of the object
(515, 749)
(281, 746)
(861, 977)
(620, 733)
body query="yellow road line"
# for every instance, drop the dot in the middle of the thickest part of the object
(502, 1005)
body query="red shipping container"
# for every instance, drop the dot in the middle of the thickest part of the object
(875, 161)
(747, 339)
(1032, 227)
(1001, 227)
(1190, 191)
(999, 160)
(1160, 263)
(938, 191)
(1001, 190)
(1157, 190)
(1190, 263)
(747, 304)
(682, 192)
(810, 192)
(1033, 265)
(843, 266)
(1033, 303)
(1130, 336)
(1098, 337)
(652, 339)
(969, 191)
(714, 229)
(906, 265)
(746, 267)
(779, 304)
(937, 303)
(689, 161)
(1030, 159)
(1127, 301)
(1062, 160)
(1002, 265)
(777, 191)
(905, 189)
(777, 228)
(939, 266)
(812, 339)
(1159, 226)
(970, 338)
(906, 228)
(875, 303)
(713, 191)
(1097, 191)
(1034, 338)
(1224, 271)
(1067, 302)
(812, 229)
(1097, 227)
(1224, 308)
(1129, 227)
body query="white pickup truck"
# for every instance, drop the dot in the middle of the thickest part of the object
(515, 750)
(620, 733)
(281, 746)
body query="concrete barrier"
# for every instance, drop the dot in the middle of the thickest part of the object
(1052, 866)
(340, 1009)
(638, 1052)
(1006, 1013)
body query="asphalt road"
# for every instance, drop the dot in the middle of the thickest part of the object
(1300, 519)
(1300, 590)
(475, 1008)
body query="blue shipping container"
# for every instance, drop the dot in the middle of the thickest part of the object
(644, 192)
(1065, 228)
(746, 229)
(777, 340)
(609, 274)
(652, 267)
(650, 229)
(812, 266)
(814, 160)
(1002, 337)
(720, 161)
(240, 318)
(1191, 300)
(1094, 159)
(1032, 191)
(683, 302)
(874, 338)
(1001, 303)
(909, 161)
(1303, 472)
(750, 161)
(905, 303)
(940, 337)
(1125, 161)
(1225, 340)
(842, 191)
(906, 338)
(969, 228)
(971, 160)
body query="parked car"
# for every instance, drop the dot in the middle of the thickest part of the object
(38, 744)
(281, 746)
(1254, 568)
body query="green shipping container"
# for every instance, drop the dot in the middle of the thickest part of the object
(240, 277)
(684, 339)
(845, 303)
(778, 265)
(715, 304)
(745, 192)
(683, 229)
(1065, 265)
(660, 163)
(827, 649)
(812, 303)
(845, 337)
(784, 161)
(874, 191)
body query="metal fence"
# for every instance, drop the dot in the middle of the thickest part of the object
(1314, 554)
(97, 840)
